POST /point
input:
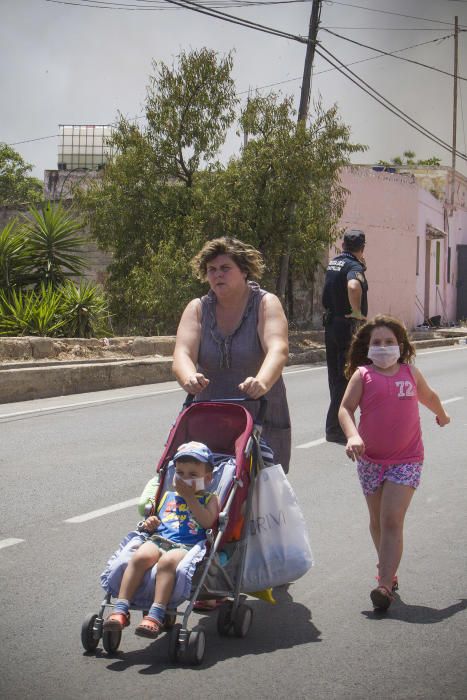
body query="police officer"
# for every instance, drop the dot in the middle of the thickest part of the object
(345, 304)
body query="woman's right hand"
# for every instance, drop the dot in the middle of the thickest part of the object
(355, 447)
(195, 383)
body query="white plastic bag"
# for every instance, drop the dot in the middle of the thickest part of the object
(278, 549)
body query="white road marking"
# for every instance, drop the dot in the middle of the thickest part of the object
(103, 511)
(313, 443)
(96, 402)
(433, 352)
(455, 398)
(305, 369)
(64, 407)
(9, 542)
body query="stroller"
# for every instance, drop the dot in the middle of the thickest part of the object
(213, 570)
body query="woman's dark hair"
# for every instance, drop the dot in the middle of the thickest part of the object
(248, 259)
(358, 351)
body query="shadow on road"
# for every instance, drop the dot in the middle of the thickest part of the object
(282, 626)
(416, 614)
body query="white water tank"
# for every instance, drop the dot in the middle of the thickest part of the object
(83, 146)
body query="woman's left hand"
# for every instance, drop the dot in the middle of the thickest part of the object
(253, 387)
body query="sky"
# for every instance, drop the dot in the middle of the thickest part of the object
(65, 63)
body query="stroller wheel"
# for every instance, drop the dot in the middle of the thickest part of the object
(174, 646)
(224, 619)
(88, 640)
(242, 620)
(111, 641)
(195, 647)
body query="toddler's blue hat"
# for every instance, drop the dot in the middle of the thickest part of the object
(197, 450)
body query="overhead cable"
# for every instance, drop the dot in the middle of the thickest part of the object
(369, 90)
(400, 58)
(388, 12)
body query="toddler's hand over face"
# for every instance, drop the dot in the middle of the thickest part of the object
(184, 488)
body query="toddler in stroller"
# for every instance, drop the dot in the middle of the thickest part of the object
(213, 567)
(182, 518)
(222, 564)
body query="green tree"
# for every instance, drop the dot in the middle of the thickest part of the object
(140, 209)
(283, 193)
(409, 160)
(164, 194)
(16, 185)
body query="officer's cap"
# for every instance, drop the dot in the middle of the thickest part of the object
(354, 239)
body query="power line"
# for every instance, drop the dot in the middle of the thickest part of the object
(40, 138)
(259, 27)
(189, 5)
(385, 102)
(275, 84)
(388, 29)
(389, 12)
(388, 53)
(159, 5)
(352, 63)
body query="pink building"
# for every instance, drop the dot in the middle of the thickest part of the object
(416, 248)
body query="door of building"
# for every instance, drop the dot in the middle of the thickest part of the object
(461, 282)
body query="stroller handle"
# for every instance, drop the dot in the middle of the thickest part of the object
(263, 402)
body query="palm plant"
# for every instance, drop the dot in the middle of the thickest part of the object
(85, 309)
(14, 258)
(30, 313)
(54, 244)
(47, 317)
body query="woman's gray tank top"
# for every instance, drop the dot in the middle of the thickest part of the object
(228, 360)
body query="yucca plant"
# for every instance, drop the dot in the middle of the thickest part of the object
(85, 310)
(31, 313)
(14, 257)
(47, 314)
(54, 244)
(16, 312)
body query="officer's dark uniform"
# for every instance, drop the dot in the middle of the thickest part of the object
(338, 330)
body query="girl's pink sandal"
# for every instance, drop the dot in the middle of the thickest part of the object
(395, 580)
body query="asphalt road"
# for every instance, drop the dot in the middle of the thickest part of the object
(70, 456)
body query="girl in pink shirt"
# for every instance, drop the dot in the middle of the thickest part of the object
(388, 444)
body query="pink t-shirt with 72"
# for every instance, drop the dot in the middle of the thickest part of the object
(389, 416)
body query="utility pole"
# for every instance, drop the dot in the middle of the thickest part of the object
(454, 112)
(310, 54)
(302, 116)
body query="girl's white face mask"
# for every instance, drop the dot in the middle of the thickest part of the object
(384, 356)
(198, 484)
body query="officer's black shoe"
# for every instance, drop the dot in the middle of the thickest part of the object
(340, 439)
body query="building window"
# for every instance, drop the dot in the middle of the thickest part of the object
(438, 256)
(449, 264)
(417, 266)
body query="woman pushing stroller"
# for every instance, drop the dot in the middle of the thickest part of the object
(184, 514)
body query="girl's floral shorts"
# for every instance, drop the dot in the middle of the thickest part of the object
(372, 475)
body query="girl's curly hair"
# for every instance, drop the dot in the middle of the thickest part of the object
(358, 351)
(248, 259)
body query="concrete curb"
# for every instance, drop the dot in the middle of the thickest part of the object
(45, 381)
(39, 380)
